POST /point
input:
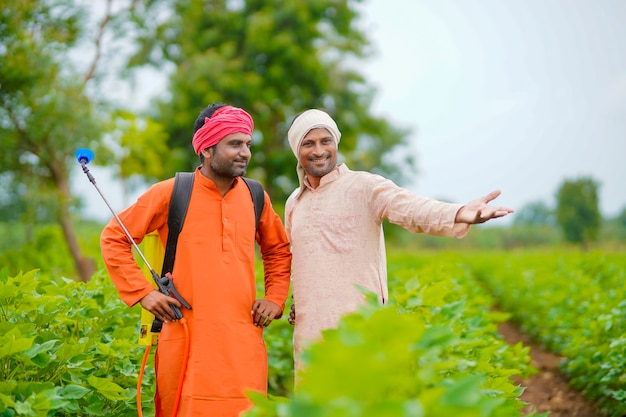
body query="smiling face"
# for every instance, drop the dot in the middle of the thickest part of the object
(317, 154)
(229, 158)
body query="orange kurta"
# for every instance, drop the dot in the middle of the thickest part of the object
(214, 272)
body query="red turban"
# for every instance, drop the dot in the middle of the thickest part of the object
(225, 121)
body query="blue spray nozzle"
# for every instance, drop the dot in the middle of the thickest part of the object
(84, 155)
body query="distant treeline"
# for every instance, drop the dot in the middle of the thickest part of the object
(612, 234)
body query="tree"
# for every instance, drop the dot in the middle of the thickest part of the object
(621, 221)
(138, 145)
(273, 58)
(578, 211)
(535, 214)
(614, 228)
(48, 108)
(43, 112)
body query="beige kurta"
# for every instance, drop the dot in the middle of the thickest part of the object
(338, 245)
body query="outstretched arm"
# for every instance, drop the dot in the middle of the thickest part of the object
(479, 210)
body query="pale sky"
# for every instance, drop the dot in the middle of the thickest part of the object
(500, 94)
(503, 94)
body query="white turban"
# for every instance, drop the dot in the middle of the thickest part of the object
(303, 124)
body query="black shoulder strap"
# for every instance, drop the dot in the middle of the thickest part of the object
(258, 198)
(183, 183)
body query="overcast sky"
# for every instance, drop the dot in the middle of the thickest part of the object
(514, 95)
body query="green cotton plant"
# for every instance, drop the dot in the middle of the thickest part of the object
(394, 364)
(433, 350)
(279, 344)
(67, 348)
(278, 341)
(443, 290)
(573, 303)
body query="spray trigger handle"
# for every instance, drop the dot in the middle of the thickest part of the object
(166, 286)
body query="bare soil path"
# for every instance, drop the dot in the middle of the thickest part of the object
(548, 390)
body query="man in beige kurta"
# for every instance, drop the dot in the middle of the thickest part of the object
(334, 223)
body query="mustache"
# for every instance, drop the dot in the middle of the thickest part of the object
(313, 158)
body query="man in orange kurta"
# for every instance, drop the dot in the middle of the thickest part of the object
(213, 271)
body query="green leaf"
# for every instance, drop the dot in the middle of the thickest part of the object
(6, 400)
(434, 295)
(436, 336)
(74, 392)
(25, 407)
(106, 387)
(11, 344)
(37, 348)
(48, 400)
(8, 292)
(95, 405)
(463, 393)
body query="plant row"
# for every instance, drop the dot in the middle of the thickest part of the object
(433, 350)
(70, 348)
(575, 304)
(67, 348)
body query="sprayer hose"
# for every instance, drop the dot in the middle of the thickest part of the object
(140, 379)
(180, 380)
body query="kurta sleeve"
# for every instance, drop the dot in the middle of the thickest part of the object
(289, 207)
(148, 214)
(413, 212)
(275, 254)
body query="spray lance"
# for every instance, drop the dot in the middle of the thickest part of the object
(164, 284)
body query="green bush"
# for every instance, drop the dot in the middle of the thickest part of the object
(432, 351)
(26, 246)
(67, 348)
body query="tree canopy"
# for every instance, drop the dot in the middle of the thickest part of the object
(274, 59)
(50, 106)
(44, 111)
(578, 211)
(270, 57)
(535, 213)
